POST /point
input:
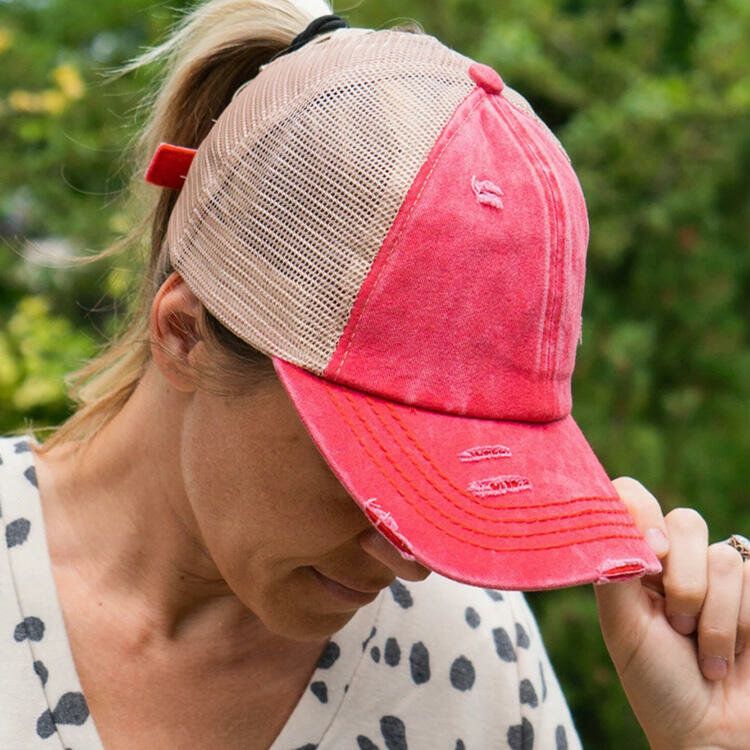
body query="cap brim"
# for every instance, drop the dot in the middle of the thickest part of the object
(494, 503)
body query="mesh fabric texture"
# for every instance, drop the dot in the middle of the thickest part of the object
(290, 196)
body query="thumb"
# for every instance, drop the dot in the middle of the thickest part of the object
(624, 606)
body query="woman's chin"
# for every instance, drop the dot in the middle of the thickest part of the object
(308, 613)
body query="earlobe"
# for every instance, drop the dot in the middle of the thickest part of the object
(173, 327)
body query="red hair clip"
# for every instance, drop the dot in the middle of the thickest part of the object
(169, 165)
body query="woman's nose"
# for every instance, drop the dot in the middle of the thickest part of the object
(376, 545)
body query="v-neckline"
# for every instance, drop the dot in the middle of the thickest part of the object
(37, 591)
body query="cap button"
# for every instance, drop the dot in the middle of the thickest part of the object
(487, 78)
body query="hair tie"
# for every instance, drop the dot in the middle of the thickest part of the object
(321, 25)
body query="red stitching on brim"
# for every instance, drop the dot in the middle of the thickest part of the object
(472, 499)
(448, 532)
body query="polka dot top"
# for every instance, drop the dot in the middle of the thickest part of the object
(428, 665)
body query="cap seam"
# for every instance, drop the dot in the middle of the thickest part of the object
(555, 311)
(529, 113)
(535, 158)
(476, 91)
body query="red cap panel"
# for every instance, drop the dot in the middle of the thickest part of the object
(484, 271)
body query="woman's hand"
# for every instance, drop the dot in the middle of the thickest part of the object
(669, 635)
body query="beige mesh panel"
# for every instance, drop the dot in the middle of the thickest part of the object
(289, 199)
(291, 196)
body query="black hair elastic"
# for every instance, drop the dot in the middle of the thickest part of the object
(321, 25)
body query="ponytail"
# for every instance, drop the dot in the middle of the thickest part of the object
(212, 51)
(215, 48)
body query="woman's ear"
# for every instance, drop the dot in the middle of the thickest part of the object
(173, 327)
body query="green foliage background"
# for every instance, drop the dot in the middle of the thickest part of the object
(651, 99)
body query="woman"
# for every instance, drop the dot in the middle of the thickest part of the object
(350, 369)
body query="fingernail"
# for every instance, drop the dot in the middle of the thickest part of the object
(657, 540)
(714, 667)
(684, 624)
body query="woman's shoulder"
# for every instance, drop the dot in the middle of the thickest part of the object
(18, 486)
(40, 695)
(17, 470)
(22, 699)
(18, 515)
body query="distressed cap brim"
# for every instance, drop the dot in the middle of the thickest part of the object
(481, 501)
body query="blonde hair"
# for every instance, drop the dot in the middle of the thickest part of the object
(213, 49)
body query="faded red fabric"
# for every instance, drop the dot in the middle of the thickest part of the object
(468, 323)
(471, 308)
(569, 527)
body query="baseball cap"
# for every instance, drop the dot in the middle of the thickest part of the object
(396, 228)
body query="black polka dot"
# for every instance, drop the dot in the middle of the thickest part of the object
(392, 654)
(367, 640)
(30, 474)
(328, 657)
(346, 687)
(319, 690)
(544, 684)
(459, 745)
(462, 673)
(71, 709)
(22, 447)
(496, 596)
(41, 670)
(472, 617)
(364, 743)
(527, 693)
(375, 653)
(401, 595)
(419, 661)
(394, 733)
(503, 644)
(31, 628)
(308, 746)
(16, 532)
(45, 725)
(521, 736)
(522, 637)
(561, 741)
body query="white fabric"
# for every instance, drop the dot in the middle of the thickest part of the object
(430, 665)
